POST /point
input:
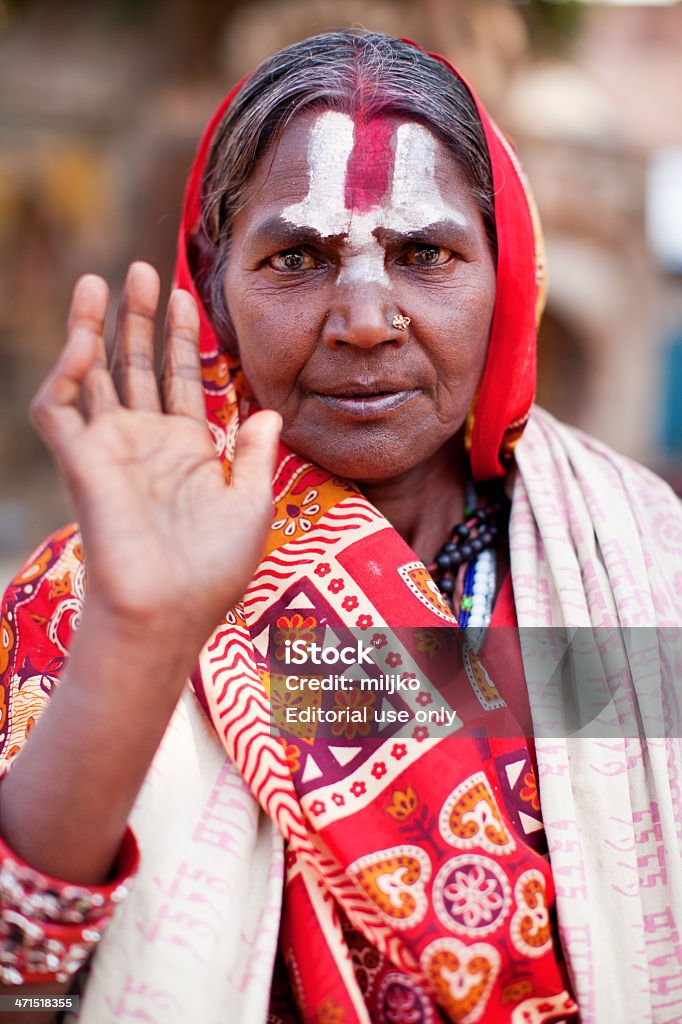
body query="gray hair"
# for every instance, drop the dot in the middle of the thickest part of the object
(344, 71)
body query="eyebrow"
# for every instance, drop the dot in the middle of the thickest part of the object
(284, 233)
(445, 229)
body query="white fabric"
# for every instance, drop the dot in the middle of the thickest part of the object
(596, 541)
(195, 940)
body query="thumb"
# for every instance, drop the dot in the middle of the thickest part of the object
(256, 451)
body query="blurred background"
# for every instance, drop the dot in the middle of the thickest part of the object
(101, 105)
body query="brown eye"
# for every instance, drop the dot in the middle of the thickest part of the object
(428, 256)
(292, 260)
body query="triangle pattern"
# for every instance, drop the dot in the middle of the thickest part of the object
(529, 824)
(312, 769)
(513, 771)
(300, 601)
(261, 641)
(342, 755)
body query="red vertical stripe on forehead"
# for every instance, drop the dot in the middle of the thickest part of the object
(370, 165)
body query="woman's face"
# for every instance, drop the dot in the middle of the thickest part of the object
(349, 225)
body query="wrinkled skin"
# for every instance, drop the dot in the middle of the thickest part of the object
(313, 310)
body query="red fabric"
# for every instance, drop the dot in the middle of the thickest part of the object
(49, 927)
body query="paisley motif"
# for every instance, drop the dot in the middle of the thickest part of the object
(471, 895)
(418, 579)
(543, 1009)
(461, 976)
(471, 818)
(530, 927)
(6, 642)
(394, 880)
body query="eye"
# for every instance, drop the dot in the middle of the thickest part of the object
(425, 255)
(293, 260)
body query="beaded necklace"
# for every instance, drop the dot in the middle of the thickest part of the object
(470, 546)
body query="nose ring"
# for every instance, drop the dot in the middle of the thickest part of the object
(400, 322)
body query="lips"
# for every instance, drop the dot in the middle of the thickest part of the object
(367, 400)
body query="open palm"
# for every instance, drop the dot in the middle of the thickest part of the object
(168, 543)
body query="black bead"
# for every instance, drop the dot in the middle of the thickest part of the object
(457, 558)
(481, 514)
(493, 531)
(449, 548)
(466, 552)
(447, 585)
(487, 538)
(443, 562)
(477, 545)
(462, 530)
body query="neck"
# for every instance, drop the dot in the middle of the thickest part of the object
(424, 503)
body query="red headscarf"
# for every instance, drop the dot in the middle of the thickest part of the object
(505, 394)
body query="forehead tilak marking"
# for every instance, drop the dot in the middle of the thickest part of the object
(370, 166)
(354, 166)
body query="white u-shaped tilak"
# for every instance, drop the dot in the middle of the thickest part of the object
(413, 202)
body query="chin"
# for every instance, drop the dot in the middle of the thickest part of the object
(366, 464)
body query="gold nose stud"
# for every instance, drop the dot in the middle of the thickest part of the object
(400, 322)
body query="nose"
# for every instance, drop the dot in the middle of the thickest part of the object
(363, 316)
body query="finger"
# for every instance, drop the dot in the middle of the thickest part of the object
(54, 409)
(256, 453)
(132, 365)
(181, 386)
(86, 316)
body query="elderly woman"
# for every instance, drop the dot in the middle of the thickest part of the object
(358, 253)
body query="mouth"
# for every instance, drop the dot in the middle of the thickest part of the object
(365, 402)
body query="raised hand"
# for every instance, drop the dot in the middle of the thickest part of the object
(169, 546)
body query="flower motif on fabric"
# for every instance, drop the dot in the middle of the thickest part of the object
(353, 701)
(323, 569)
(336, 585)
(350, 603)
(420, 732)
(291, 518)
(60, 587)
(398, 751)
(529, 793)
(404, 803)
(364, 621)
(379, 769)
(393, 659)
(401, 1001)
(424, 698)
(358, 788)
(317, 807)
(471, 895)
(462, 976)
(292, 756)
(395, 880)
(530, 927)
(294, 628)
(471, 817)
(379, 640)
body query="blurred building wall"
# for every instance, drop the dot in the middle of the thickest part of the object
(100, 110)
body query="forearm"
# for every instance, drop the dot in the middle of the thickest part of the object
(65, 804)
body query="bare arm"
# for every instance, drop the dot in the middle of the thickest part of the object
(169, 546)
